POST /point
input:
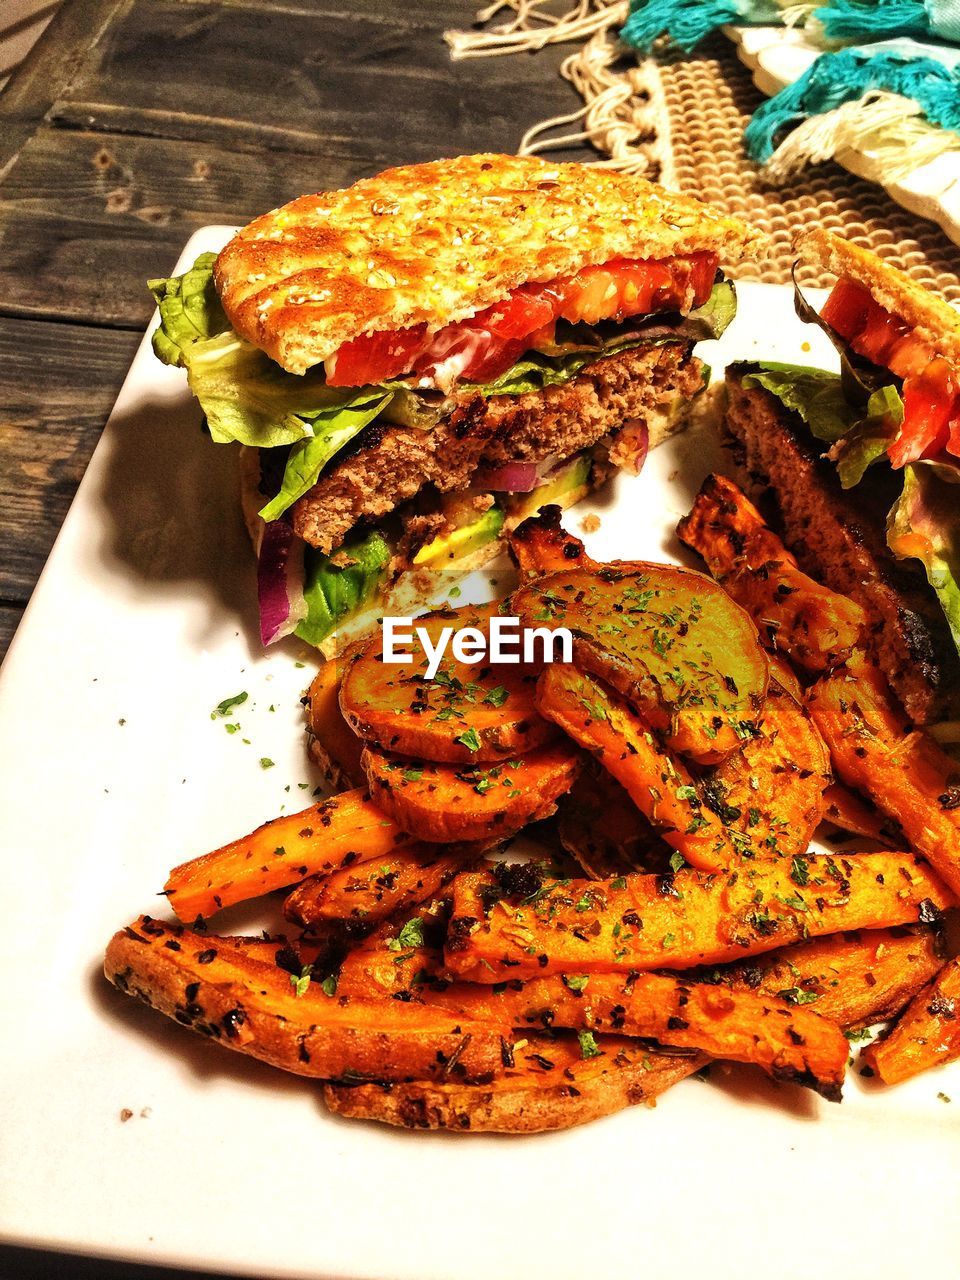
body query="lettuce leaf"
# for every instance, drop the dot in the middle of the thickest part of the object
(190, 310)
(715, 316)
(813, 393)
(245, 396)
(536, 371)
(924, 524)
(332, 430)
(868, 440)
(857, 439)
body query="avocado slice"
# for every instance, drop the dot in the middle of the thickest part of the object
(332, 593)
(461, 542)
(573, 475)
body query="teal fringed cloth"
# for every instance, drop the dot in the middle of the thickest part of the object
(858, 19)
(927, 74)
(686, 22)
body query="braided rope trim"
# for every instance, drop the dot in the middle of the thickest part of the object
(624, 116)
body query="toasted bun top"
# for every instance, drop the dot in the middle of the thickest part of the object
(935, 321)
(438, 242)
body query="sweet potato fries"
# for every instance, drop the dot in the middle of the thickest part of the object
(682, 917)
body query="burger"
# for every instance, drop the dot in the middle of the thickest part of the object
(417, 363)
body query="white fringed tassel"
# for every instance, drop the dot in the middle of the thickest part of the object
(624, 115)
(531, 28)
(796, 15)
(886, 125)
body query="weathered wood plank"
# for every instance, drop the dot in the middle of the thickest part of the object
(308, 82)
(58, 383)
(10, 615)
(126, 181)
(45, 73)
(133, 202)
(73, 269)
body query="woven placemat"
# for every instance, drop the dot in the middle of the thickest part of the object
(709, 96)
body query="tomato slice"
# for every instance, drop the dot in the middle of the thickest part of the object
(375, 357)
(527, 309)
(847, 308)
(931, 386)
(485, 345)
(929, 401)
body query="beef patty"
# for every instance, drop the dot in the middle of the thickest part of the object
(394, 463)
(838, 537)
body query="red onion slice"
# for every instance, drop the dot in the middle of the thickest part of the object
(512, 477)
(280, 582)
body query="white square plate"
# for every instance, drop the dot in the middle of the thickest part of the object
(113, 771)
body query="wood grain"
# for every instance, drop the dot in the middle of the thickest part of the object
(10, 615)
(47, 70)
(59, 382)
(133, 203)
(365, 80)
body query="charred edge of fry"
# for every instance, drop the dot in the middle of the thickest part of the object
(214, 989)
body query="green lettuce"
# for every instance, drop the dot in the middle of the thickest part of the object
(245, 396)
(190, 310)
(536, 371)
(924, 524)
(867, 441)
(715, 316)
(858, 439)
(307, 458)
(814, 394)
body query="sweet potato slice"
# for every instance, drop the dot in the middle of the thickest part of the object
(817, 627)
(789, 1042)
(926, 1035)
(346, 829)
(771, 791)
(604, 831)
(213, 987)
(651, 922)
(331, 743)
(465, 714)
(905, 774)
(855, 979)
(605, 724)
(375, 890)
(289, 954)
(444, 803)
(547, 1085)
(669, 640)
(541, 545)
(849, 812)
